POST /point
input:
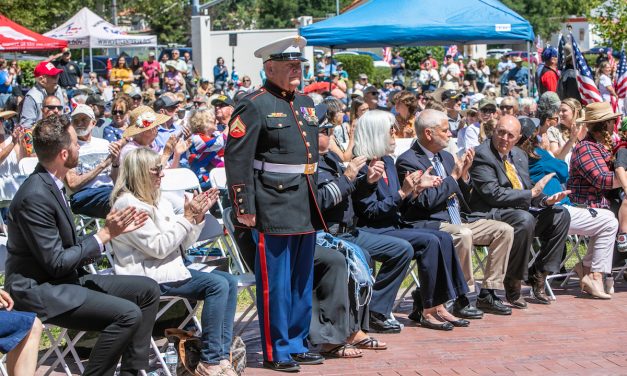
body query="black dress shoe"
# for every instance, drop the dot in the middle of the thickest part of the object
(462, 308)
(380, 324)
(282, 366)
(492, 304)
(308, 358)
(440, 326)
(538, 283)
(416, 312)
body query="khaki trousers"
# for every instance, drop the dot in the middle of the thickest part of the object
(497, 236)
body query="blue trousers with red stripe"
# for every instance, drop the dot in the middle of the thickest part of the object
(284, 275)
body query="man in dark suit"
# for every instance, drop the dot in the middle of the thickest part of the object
(503, 191)
(44, 265)
(446, 208)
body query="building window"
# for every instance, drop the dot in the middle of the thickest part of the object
(582, 35)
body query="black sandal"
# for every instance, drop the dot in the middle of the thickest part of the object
(340, 352)
(369, 343)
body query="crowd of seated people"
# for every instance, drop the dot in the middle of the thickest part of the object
(547, 173)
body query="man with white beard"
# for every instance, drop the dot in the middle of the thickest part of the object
(91, 182)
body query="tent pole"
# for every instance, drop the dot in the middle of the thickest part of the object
(531, 65)
(91, 60)
(331, 72)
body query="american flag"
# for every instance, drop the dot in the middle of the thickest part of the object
(621, 76)
(610, 59)
(561, 62)
(387, 54)
(585, 83)
(452, 50)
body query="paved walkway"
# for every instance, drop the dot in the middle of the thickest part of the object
(573, 336)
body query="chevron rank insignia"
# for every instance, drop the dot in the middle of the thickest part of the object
(238, 128)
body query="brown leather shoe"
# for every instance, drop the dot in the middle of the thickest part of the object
(538, 284)
(512, 293)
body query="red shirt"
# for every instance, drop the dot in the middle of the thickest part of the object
(152, 71)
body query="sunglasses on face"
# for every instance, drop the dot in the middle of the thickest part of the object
(488, 112)
(117, 112)
(245, 80)
(171, 108)
(52, 107)
(156, 170)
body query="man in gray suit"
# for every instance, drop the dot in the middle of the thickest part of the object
(503, 190)
(44, 271)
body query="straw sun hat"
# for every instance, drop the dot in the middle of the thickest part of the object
(143, 118)
(598, 112)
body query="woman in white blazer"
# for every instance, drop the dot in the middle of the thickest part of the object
(154, 251)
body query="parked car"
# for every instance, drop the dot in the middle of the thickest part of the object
(601, 49)
(496, 53)
(100, 65)
(377, 60)
(182, 51)
(523, 55)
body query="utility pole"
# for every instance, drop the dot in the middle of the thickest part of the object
(337, 7)
(114, 12)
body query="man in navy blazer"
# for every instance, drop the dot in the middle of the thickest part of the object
(446, 207)
(503, 191)
(45, 258)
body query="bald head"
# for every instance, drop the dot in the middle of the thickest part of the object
(506, 134)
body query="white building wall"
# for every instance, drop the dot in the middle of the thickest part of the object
(583, 32)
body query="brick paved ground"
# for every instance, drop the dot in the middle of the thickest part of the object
(573, 336)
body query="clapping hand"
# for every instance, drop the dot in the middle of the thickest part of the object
(537, 189)
(354, 166)
(376, 168)
(196, 207)
(467, 160)
(427, 180)
(170, 145)
(557, 197)
(5, 300)
(122, 221)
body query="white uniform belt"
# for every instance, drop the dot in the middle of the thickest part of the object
(306, 169)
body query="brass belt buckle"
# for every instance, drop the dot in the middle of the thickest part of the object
(310, 169)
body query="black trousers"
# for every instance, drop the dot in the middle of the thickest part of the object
(123, 310)
(440, 273)
(550, 225)
(335, 311)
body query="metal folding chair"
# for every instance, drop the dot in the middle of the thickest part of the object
(245, 274)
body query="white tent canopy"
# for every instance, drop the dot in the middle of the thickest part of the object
(88, 30)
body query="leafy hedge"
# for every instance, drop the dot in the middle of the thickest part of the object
(27, 67)
(354, 65)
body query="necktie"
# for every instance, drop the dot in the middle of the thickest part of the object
(452, 204)
(510, 171)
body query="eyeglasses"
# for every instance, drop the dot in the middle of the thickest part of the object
(117, 112)
(245, 80)
(505, 134)
(52, 107)
(157, 170)
(172, 108)
(488, 112)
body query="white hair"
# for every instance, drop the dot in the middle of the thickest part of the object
(428, 119)
(372, 134)
(317, 98)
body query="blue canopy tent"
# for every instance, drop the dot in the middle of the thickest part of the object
(420, 23)
(379, 23)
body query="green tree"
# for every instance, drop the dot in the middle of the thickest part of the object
(545, 16)
(610, 21)
(414, 55)
(43, 15)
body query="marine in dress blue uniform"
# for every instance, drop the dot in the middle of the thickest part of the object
(271, 161)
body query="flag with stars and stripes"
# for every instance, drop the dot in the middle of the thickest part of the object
(561, 62)
(452, 51)
(387, 54)
(621, 76)
(585, 83)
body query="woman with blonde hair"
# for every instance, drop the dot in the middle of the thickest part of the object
(155, 251)
(207, 149)
(567, 133)
(604, 81)
(406, 106)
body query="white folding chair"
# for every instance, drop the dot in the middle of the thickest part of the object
(412, 271)
(174, 184)
(245, 274)
(217, 177)
(27, 165)
(481, 254)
